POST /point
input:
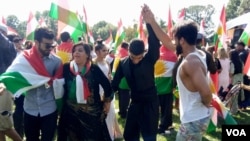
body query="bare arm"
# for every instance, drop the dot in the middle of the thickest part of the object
(197, 79)
(149, 18)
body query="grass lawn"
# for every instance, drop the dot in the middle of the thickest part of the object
(241, 118)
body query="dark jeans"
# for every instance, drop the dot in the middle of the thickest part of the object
(34, 124)
(124, 98)
(18, 115)
(142, 118)
(166, 106)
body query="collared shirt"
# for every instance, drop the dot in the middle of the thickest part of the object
(41, 100)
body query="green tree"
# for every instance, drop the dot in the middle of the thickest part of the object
(102, 30)
(198, 12)
(231, 9)
(12, 21)
(21, 29)
(244, 7)
(130, 33)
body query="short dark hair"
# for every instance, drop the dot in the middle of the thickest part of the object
(136, 46)
(43, 32)
(241, 43)
(124, 45)
(187, 30)
(65, 36)
(99, 44)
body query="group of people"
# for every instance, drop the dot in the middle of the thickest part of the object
(72, 95)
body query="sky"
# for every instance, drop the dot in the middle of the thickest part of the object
(108, 10)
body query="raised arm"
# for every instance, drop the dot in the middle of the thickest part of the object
(149, 18)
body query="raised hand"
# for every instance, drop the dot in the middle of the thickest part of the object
(147, 14)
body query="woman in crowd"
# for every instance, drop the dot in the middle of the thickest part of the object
(83, 115)
(224, 78)
(101, 51)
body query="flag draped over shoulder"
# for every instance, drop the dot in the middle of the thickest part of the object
(219, 109)
(28, 72)
(163, 71)
(70, 20)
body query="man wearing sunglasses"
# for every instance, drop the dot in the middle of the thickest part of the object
(40, 68)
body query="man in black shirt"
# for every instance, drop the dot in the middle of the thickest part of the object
(138, 69)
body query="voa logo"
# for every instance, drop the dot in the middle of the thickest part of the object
(236, 132)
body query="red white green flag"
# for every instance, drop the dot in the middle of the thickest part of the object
(120, 34)
(32, 24)
(69, 20)
(219, 110)
(220, 35)
(245, 36)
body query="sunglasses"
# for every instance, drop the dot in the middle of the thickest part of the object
(48, 45)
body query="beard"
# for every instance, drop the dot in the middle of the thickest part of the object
(179, 49)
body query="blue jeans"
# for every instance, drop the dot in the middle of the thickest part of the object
(193, 131)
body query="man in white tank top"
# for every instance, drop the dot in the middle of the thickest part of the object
(193, 84)
(192, 78)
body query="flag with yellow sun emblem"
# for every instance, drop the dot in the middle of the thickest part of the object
(163, 71)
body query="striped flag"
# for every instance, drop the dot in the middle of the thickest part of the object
(69, 21)
(163, 71)
(120, 35)
(27, 72)
(32, 24)
(245, 36)
(220, 35)
(219, 109)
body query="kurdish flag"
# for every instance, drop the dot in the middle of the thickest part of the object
(32, 24)
(69, 20)
(27, 72)
(219, 109)
(219, 37)
(120, 35)
(245, 35)
(163, 71)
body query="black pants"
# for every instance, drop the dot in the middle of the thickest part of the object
(18, 115)
(166, 106)
(34, 124)
(124, 98)
(142, 118)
